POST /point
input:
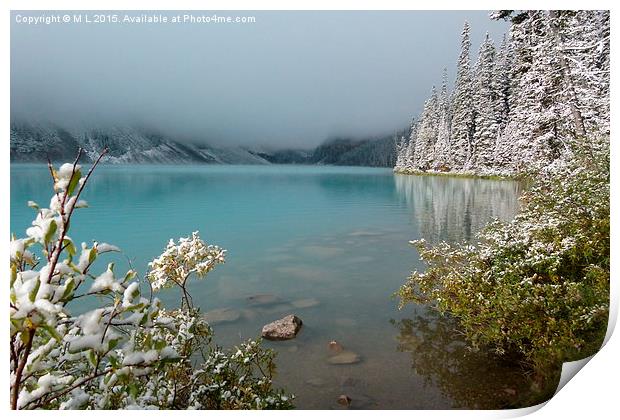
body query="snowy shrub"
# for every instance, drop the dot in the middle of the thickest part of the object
(538, 285)
(128, 352)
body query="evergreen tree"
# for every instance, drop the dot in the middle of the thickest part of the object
(462, 105)
(485, 103)
(441, 155)
(540, 120)
(410, 151)
(583, 42)
(426, 135)
(502, 84)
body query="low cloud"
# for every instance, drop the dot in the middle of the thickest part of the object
(289, 79)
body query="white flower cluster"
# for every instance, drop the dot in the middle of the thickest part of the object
(178, 261)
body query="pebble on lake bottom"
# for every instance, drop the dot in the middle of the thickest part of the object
(344, 400)
(263, 299)
(345, 357)
(335, 347)
(217, 316)
(305, 303)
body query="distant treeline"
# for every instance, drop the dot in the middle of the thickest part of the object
(379, 151)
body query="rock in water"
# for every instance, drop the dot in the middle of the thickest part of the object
(345, 357)
(335, 347)
(344, 400)
(217, 316)
(282, 329)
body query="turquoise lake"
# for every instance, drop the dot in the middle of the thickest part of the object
(331, 245)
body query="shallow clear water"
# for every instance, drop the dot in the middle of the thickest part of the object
(337, 235)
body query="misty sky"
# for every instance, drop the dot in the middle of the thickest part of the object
(290, 79)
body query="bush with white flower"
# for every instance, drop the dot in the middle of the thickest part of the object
(537, 286)
(130, 352)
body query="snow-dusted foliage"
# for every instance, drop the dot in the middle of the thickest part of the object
(539, 284)
(520, 106)
(129, 351)
(178, 262)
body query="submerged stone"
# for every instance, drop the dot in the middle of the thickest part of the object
(263, 299)
(282, 329)
(217, 316)
(305, 303)
(344, 400)
(335, 347)
(360, 401)
(345, 357)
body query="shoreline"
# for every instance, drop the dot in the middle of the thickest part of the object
(472, 175)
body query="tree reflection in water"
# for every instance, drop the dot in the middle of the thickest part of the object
(472, 379)
(455, 209)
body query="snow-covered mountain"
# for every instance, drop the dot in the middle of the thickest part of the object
(35, 143)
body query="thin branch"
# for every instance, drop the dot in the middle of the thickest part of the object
(20, 370)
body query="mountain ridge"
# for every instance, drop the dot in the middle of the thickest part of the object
(38, 142)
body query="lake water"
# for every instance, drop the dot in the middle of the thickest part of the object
(336, 237)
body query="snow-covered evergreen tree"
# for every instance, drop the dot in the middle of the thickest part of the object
(539, 123)
(502, 80)
(441, 155)
(583, 42)
(462, 106)
(402, 145)
(410, 151)
(485, 105)
(426, 135)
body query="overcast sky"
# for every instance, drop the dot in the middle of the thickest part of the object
(290, 79)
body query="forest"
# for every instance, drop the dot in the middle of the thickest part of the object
(519, 106)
